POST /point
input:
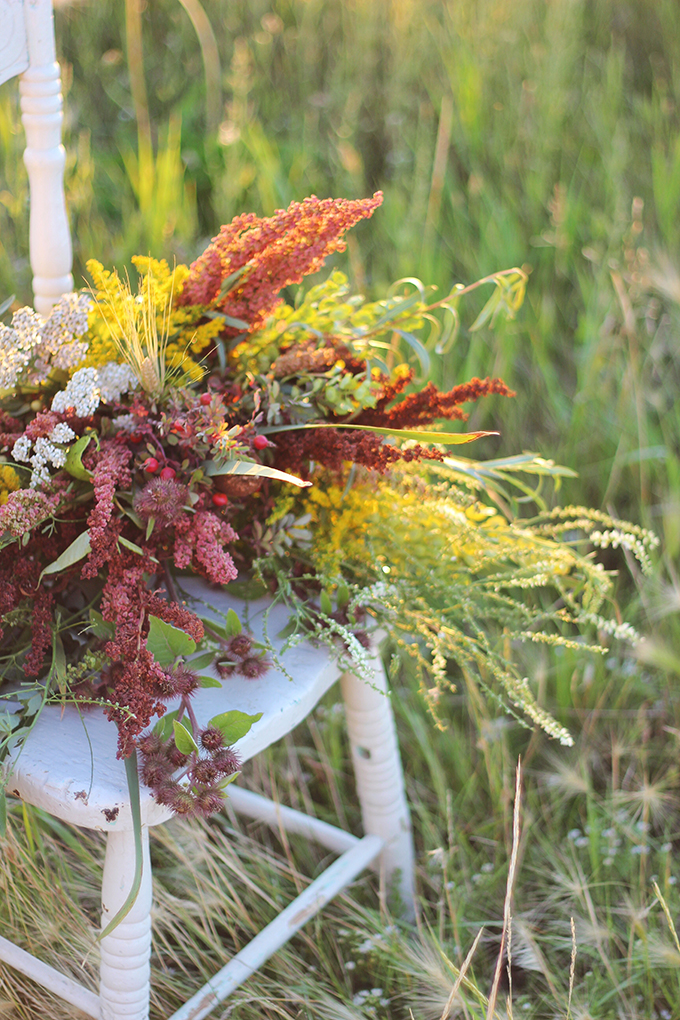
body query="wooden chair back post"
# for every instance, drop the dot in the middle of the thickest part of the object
(27, 49)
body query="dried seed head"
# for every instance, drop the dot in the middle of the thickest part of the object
(211, 738)
(253, 667)
(240, 645)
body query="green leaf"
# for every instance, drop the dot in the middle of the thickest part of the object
(229, 320)
(74, 458)
(34, 704)
(418, 348)
(233, 625)
(163, 727)
(244, 467)
(342, 595)
(136, 812)
(326, 604)
(208, 681)
(3, 814)
(234, 725)
(488, 310)
(445, 438)
(78, 548)
(133, 547)
(150, 525)
(228, 779)
(166, 643)
(59, 662)
(227, 284)
(100, 627)
(183, 738)
(202, 661)
(248, 590)
(214, 626)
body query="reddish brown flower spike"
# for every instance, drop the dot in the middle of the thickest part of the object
(275, 252)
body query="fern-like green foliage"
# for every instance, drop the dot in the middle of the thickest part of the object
(461, 586)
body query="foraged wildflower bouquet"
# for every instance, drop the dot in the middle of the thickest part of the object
(204, 425)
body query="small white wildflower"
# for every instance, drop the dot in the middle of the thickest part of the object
(581, 841)
(573, 834)
(82, 394)
(40, 476)
(114, 380)
(22, 448)
(672, 880)
(45, 452)
(125, 422)
(350, 965)
(18, 345)
(487, 867)
(62, 433)
(666, 848)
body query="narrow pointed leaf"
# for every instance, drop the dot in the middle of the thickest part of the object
(78, 549)
(202, 661)
(208, 681)
(445, 438)
(244, 467)
(136, 812)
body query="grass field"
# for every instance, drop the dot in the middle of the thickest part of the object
(544, 135)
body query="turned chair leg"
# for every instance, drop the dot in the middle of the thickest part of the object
(125, 971)
(379, 776)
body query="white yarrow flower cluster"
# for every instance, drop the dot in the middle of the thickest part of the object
(43, 452)
(33, 346)
(60, 347)
(89, 387)
(114, 380)
(18, 345)
(82, 393)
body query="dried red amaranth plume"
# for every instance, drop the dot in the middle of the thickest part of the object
(278, 250)
(429, 404)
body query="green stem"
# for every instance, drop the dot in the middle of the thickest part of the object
(135, 810)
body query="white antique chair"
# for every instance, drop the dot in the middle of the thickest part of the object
(68, 765)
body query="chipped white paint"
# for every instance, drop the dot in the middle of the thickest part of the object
(379, 776)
